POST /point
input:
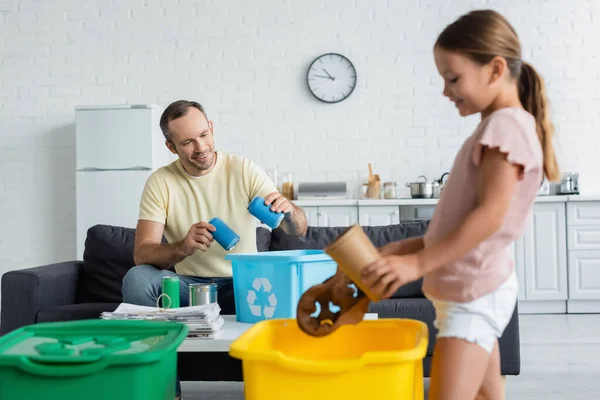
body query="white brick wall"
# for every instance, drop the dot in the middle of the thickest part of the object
(246, 62)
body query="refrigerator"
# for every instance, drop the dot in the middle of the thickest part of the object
(117, 149)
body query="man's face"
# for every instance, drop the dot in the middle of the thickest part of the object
(193, 141)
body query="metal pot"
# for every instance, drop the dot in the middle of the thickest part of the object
(422, 190)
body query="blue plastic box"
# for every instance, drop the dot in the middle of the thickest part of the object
(268, 285)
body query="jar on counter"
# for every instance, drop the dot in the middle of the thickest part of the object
(287, 186)
(389, 190)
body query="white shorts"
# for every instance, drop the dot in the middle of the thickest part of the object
(481, 321)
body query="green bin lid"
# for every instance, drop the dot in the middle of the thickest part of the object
(89, 344)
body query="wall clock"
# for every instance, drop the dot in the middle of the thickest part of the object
(331, 78)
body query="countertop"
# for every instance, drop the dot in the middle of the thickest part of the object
(585, 197)
(419, 202)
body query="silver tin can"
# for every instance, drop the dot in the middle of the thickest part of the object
(203, 293)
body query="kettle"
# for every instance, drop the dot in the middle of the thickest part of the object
(569, 183)
(440, 187)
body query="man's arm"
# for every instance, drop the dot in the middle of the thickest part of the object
(148, 247)
(295, 223)
(259, 184)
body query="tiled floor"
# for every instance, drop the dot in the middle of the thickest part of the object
(560, 360)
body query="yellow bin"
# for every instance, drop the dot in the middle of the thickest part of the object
(374, 359)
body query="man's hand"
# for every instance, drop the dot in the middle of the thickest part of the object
(279, 203)
(199, 237)
(295, 222)
(387, 274)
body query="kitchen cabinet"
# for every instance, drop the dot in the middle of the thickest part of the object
(331, 215)
(545, 256)
(379, 215)
(337, 216)
(557, 260)
(541, 261)
(583, 222)
(584, 275)
(584, 213)
(311, 215)
(410, 213)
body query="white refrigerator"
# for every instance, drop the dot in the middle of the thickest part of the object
(117, 148)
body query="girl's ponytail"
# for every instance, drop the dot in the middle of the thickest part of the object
(532, 94)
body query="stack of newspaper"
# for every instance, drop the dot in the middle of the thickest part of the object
(204, 322)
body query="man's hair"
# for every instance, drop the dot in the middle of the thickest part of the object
(176, 110)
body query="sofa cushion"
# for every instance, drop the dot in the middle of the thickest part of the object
(263, 239)
(74, 312)
(107, 257)
(320, 237)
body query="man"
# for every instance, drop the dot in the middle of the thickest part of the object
(179, 199)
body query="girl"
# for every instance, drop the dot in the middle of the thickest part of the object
(464, 257)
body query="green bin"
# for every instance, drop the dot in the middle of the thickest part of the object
(91, 360)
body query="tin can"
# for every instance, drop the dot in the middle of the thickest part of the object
(224, 235)
(264, 214)
(170, 289)
(203, 293)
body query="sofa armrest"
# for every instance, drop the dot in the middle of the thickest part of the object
(27, 291)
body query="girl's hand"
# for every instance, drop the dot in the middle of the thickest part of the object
(387, 274)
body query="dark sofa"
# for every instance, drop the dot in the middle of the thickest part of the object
(76, 290)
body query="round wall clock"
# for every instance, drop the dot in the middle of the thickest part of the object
(331, 78)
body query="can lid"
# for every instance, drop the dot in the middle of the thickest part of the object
(80, 347)
(233, 243)
(203, 287)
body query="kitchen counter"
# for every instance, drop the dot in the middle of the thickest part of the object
(421, 202)
(585, 197)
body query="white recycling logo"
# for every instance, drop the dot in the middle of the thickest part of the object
(256, 309)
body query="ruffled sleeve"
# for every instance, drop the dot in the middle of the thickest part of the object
(513, 138)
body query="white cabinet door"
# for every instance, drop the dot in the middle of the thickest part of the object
(584, 274)
(108, 198)
(338, 216)
(311, 215)
(584, 213)
(518, 254)
(106, 139)
(546, 253)
(379, 215)
(584, 237)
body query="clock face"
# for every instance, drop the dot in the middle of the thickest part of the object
(331, 78)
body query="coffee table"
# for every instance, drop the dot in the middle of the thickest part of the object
(232, 330)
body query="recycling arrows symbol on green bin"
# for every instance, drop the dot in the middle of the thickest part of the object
(256, 309)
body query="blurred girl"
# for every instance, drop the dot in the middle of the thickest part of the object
(464, 257)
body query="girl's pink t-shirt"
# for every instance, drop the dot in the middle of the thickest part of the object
(484, 268)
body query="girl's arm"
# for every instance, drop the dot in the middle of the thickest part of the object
(496, 186)
(401, 247)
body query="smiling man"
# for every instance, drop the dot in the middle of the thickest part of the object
(179, 199)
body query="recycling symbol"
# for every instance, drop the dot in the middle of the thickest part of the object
(256, 309)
